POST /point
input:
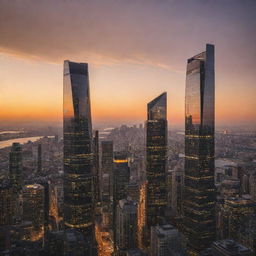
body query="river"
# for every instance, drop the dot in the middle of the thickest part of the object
(8, 143)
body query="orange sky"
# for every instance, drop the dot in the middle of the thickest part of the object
(134, 51)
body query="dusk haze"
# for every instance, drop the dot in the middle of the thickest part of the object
(136, 50)
(127, 128)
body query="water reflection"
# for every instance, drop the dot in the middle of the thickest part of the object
(8, 143)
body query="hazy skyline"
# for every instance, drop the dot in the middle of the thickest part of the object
(135, 50)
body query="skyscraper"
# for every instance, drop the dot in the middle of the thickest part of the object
(16, 181)
(15, 167)
(78, 157)
(156, 149)
(229, 247)
(96, 167)
(165, 241)
(121, 178)
(199, 197)
(34, 207)
(107, 168)
(39, 158)
(235, 215)
(6, 205)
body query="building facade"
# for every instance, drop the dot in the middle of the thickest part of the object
(34, 208)
(121, 179)
(96, 167)
(39, 158)
(126, 226)
(107, 170)
(229, 247)
(165, 241)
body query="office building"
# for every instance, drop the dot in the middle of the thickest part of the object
(230, 188)
(133, 191)
(126, 226)
(39, 158)
(34, 208)
(229, 247)
(121, 179)
(6, 204)
(96, 167)
(235, 214)
(107, 170)
(252, 186)
(165, 241)
(121, 176)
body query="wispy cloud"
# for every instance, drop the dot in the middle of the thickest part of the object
(160, 33)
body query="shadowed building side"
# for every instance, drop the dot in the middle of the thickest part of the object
(39, 158)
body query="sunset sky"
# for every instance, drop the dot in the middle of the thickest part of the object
(136, 49)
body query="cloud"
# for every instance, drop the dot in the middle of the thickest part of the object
(161, 33)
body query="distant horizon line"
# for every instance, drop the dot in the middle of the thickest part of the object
(102, 124)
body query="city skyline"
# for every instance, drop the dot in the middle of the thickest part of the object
(159, 192)
(127, 128)
(131, 74)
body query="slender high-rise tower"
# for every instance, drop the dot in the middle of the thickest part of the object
(78, 156)
(15, 167)
(199, 191)
(156, 154)
(121, 178)
(96, 167)
(39, 158)
(106, 171)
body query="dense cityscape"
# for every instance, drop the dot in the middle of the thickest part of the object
(139, 190)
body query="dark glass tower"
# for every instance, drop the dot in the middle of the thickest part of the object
(107, 169)
(156, 151)
(78, 156)
(199, 197)
(39, 158)
(15, 167)
(121, 178)
(96, 167)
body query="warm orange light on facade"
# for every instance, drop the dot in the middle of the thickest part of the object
(119, 161)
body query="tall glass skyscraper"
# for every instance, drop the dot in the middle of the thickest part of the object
(199, 192)
(156, 151)
(78, 156)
